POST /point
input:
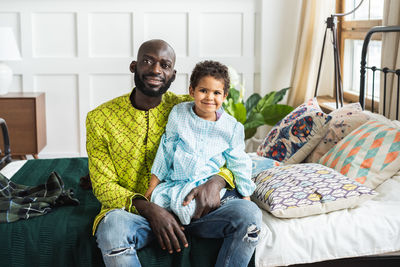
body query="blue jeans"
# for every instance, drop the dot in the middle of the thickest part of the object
(238, 222)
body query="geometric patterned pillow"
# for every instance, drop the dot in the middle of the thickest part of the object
(369, 154)
(298, 190)
(293, 138)
(344, 121)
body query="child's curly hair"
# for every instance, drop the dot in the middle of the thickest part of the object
(210, 68)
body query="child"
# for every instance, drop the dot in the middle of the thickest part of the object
(199, 139)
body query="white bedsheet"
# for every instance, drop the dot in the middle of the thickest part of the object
(370, 229)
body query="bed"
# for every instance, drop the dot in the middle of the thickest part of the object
(366, 235)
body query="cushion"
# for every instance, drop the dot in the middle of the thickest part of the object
(381, 118)
(260, 164)
(293, 138)
(369, 154)
(344, 120)
(299, 190)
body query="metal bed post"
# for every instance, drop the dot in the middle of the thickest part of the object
(7, 152)
(363, 66)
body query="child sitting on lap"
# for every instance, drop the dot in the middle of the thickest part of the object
(199, 139)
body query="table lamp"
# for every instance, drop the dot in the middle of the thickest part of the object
(8, 51)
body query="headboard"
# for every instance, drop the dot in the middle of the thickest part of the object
(384, 70)
(6, 158)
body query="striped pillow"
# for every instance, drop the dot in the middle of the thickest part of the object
(369, 154)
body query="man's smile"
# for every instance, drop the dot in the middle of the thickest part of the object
(155, 81)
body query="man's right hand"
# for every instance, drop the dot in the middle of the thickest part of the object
(164, 225)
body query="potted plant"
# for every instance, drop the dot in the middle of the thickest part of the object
(256, 110)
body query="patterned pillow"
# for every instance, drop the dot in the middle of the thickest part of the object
(344, 120)
(260, 164)
(299, 190)
(369, 154)
(293, 138)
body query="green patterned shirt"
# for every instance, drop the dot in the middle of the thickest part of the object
(122, 143)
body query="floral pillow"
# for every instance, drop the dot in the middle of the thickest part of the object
(299, 190)
(293, 138)
(344, 120)
(369, 154)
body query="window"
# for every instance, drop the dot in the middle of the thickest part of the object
(351, 32)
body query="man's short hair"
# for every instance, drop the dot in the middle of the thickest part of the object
(210, 68)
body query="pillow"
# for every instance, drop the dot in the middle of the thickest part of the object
(293, 138)
(299, 190)
(260, 164)
(381, 118)
(369, 154)
(344, 120)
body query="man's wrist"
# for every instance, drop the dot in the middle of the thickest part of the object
(219, 180)
(140, 205)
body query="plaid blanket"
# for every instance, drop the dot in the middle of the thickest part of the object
(24, 202)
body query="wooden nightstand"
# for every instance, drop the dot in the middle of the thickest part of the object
(25, 116)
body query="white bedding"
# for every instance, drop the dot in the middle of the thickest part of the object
(370, 229)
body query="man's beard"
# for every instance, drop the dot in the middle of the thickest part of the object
(142, 87)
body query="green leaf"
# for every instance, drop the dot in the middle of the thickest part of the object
(251, 102)
(265, 101)
(274, 113)
(279, 95)
(234, 95)
(237, 110)
(248, 133)
(255, 120)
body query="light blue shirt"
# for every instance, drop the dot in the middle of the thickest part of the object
(191, 151)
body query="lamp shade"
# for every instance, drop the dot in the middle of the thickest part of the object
(8, 45)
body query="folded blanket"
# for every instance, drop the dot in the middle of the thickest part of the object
(24, 202)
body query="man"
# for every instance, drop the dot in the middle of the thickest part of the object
(122, 139)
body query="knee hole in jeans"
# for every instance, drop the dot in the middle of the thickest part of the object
(119, 251)
(252, 233)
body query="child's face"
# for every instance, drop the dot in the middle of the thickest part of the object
(208, 97)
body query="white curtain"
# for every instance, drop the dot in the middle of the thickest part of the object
(390, 56)
(308, 49)
(309, 44)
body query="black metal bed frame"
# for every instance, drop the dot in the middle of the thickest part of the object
(378, 261)
(384, 70)
(6, 158)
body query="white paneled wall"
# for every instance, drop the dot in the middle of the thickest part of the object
(78, 52)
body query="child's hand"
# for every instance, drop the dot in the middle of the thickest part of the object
(247, 198)
(154, 181)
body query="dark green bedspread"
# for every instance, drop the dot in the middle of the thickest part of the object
(63, 237)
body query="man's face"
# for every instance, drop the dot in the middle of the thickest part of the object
(154, 70)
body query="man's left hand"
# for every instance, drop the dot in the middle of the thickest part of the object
(207, 196)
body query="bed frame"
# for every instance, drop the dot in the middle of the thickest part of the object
(6, 158)
(386, 71)
(370, 261)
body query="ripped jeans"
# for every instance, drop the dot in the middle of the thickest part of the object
(238, 221)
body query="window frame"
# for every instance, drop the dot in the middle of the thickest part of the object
(353, 30)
